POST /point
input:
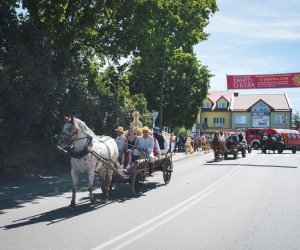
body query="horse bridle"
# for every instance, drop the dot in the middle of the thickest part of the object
(73, 134)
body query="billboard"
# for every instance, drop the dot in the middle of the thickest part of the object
(289, 80)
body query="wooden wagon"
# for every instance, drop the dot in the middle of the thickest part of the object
(140, 171)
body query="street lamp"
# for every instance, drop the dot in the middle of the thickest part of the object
(162, 90)
(154, 116)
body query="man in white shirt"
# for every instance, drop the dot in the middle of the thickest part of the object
(146, 145)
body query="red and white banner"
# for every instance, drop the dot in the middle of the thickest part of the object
(290, 80)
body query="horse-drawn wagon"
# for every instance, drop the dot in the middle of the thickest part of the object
(139, 172)
(99, 154)
(270, 143)
(232, 146)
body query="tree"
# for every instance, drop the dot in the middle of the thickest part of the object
(168, 30)
(296, 120)
(185, 88)
(54, 57)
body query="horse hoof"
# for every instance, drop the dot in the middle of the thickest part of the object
(93, 201)
(72, 205)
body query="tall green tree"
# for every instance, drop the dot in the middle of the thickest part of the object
(296, 120)
(54, 57)
(185, 87)
(165, 67)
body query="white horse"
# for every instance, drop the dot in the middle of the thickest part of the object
(79, 140)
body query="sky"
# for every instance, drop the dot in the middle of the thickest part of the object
(253, 37)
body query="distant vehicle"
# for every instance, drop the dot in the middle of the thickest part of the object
(235, 146)
(253, 137)
(291, 137)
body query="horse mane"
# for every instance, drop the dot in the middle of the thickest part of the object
(85, 129)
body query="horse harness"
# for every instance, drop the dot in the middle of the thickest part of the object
(84, 151)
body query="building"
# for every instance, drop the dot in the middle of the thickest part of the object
(231, 110)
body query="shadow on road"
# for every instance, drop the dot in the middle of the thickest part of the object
(120, 194)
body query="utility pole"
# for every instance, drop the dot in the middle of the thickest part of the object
(162, 91)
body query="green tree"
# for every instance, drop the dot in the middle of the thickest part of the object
(296, 120)
(54, 55)
(186, 86)
(165, 68)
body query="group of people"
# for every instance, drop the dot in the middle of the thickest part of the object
(182, 141)
(230, 138)
(131, 146)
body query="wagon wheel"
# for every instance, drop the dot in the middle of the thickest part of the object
(225, 155)
(136, 183)
(235, 155)
(244, 152)
(167, 171)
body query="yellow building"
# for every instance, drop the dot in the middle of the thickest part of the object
(229, 110)
(215, 113)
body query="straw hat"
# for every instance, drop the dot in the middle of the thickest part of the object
(120, 129)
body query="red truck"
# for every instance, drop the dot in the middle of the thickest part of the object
(291, 137)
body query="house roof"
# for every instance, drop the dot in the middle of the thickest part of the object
(243, 102)
(215, 96)
(277, 102)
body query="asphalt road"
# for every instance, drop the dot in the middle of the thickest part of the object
(248, 203)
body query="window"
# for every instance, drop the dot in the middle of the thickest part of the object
(279, 119)
(206, 105)
(254, 132)
(222, 105)
(260, 107)
(205, 120)
(219, 121)
(241, 119)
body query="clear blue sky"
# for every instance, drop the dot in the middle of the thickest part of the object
(253, 37)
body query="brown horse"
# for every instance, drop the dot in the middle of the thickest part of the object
(218, 146)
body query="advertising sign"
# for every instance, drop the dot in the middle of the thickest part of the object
(290, 80)
(261, 121)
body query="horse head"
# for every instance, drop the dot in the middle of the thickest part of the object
(69, 132)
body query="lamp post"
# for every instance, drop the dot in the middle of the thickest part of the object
(162, 90)
(154, 116)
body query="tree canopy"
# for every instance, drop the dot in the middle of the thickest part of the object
(99, 60)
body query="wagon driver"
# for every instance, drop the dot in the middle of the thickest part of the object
(145, 145)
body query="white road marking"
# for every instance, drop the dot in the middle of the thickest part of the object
(168, 215)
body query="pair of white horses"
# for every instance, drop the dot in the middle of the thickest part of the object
(79, 140)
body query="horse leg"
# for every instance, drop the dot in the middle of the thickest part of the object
(91, 174)
(104, 180)
(107, 182)
(75, 176)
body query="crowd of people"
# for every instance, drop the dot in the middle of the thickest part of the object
(131, 146)
(153, 143)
